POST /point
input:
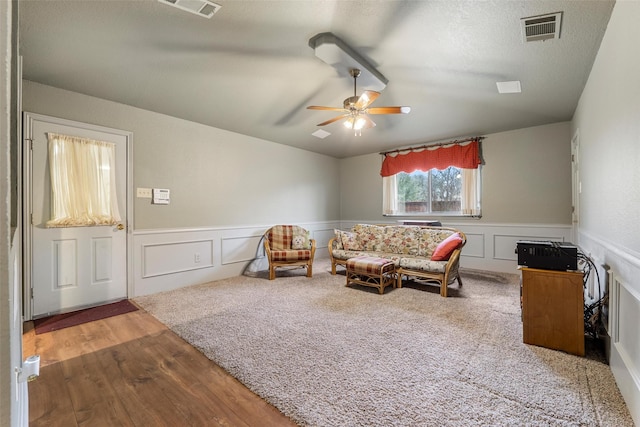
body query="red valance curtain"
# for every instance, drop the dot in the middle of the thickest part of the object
(462, 156)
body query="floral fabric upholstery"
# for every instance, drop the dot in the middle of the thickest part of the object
(344, 255)
(401, 240)
(430, 239)
(423, 264)
(347, 240)
(337, 242)
(370, 236)
(409, 247)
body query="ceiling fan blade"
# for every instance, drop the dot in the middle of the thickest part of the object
(335, 119)
(388, 110)
(318, 107)
(368, 122)
(367, 97)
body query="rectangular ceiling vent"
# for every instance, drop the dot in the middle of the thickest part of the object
(541, 27)
(204, 8)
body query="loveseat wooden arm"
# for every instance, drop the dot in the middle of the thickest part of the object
(334, 261)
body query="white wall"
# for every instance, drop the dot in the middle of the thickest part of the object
(607, 122)
(216, 177)
(226, 190)
(526, 194)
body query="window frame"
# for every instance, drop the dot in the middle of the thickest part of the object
(386, 212)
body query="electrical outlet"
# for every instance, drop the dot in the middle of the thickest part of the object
(143, 193)
(196, 258)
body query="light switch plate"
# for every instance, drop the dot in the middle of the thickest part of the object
(143, 193)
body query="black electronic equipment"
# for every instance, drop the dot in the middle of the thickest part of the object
(547, 255)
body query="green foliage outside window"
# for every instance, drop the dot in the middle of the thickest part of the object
(430, 191)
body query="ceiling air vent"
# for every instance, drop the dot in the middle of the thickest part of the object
(541, 27)
(204, 8)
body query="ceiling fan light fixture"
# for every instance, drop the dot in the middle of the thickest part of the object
(359, 123)
(350, 102)
(365, 98)
(355, 123)
(356, 108)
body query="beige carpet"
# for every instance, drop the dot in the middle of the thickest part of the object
(327, 355)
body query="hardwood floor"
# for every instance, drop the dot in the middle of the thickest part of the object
(130, 370)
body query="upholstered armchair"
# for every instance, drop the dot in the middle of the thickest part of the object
(289, 245)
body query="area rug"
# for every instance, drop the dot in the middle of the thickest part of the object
(61, 321)
(328, 355)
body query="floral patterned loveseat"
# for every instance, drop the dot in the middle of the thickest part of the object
(429, 253)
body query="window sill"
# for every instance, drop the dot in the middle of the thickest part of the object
(433, 216)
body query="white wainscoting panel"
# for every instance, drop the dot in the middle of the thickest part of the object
(165, 259)
(499, 240)
(504, 245)
(625, 343)
(322, 237)
(169, 259)
(474, 246)
(628, 320)
(623, 314)
(239, 249)
(176, 257)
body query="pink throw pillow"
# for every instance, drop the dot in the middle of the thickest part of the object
(446, 247)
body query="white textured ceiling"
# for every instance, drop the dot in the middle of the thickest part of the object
(250, 69)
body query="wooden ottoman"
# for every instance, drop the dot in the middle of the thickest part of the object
(371, 271)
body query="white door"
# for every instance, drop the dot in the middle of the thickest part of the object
(74, 267)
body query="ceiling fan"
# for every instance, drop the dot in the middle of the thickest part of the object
(356, 109)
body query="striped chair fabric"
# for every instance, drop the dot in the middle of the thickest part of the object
(277, 244)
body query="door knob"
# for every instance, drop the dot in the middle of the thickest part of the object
(120, 226)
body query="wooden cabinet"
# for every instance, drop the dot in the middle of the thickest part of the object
(553, 309)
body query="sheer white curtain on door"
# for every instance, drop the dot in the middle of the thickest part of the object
(83, 182)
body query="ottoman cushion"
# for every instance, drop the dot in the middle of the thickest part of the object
(369, 265)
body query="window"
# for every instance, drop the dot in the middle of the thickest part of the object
(427, 192)
(452, 187)
(83, 182)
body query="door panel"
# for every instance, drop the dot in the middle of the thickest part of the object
(74, 267)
